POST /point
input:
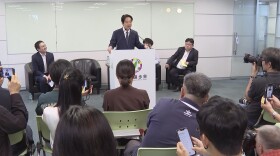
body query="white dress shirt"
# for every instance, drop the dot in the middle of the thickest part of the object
(45, 62)
(184, 58)
(124, 31)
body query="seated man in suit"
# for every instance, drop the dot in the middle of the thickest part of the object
(182, 62)
(40, 64)
(125, 37)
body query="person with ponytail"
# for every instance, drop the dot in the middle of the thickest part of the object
(70, 93)
(125, 97)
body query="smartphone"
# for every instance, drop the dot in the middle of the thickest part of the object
(268, 91)
(8, 72)
(185, 138)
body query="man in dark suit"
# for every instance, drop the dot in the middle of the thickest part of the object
(182, 62)
(125, 37)
(40, 64)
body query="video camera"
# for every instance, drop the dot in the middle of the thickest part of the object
(251, 59)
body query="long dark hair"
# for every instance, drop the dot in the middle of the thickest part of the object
(70, 90)
(125, 71)
(85, 131)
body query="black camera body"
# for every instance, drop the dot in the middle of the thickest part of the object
(244, 101)
(251, 59)
(249, 141)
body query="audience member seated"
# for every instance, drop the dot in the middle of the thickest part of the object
(148, 44)
(40, 65)
(256, 85)
(222, 125)
(13, 120)
(84, 131)
(271, 105)
(50, 98)
(169, 115)
(125, 97)
(70, 93)
(6, 103)
(268, 141)
(182, 62)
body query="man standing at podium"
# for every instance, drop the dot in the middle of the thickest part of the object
(125, 37)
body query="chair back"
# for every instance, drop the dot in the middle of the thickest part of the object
(16, 137)
(157, 151)
(86, 66)
(43, 129)
(120, 120)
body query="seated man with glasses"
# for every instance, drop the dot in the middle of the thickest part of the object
(184, 61)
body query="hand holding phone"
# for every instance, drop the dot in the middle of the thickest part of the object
(185, 138)
(8, 72)
(268, 92)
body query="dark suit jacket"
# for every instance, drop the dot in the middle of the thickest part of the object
(38, 64)
(11, 122)
(5, 98)
(192, 58)
(125, 99)
(118, 40)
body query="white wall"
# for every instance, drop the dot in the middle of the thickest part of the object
(213, 33)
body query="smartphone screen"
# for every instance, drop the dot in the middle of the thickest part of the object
(269, 91)
(85, 84)
(185, 138)
(8, 72)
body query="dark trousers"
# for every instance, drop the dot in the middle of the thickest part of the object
(174, 75)
(131, 148)
(26, 141)
(43, 85)
(253, 111)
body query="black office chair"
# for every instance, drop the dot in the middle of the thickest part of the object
(158, 76)
(91, 70)
(30, 82)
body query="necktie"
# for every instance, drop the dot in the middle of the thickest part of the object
(126, 37)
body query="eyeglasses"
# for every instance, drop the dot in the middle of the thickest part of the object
(188, 44)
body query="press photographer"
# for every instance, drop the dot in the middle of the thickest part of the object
(270, 63)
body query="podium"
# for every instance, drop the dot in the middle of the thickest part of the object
(144, 62)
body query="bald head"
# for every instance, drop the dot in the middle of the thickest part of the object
(269, 135)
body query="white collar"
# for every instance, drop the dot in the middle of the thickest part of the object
(43, 54)
(126, 30)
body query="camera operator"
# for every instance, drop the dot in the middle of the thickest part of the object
(270, 58)
(268, 140)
